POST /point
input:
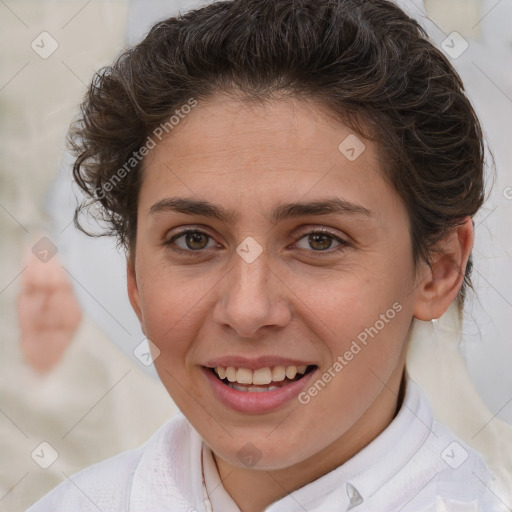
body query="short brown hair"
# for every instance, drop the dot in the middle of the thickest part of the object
(366, 60)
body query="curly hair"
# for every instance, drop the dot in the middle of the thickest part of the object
(368, 62)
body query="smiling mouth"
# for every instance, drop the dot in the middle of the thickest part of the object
(262, 379)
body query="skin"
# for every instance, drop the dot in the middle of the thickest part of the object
(296, 299)
(48, 313)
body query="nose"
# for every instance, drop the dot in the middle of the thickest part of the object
(252, 299)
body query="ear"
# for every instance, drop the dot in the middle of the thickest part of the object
(133, 290)
(442, 281)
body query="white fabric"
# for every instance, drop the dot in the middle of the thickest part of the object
(404, 469)
(216, 497)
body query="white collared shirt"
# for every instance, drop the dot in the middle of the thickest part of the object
(415, 465)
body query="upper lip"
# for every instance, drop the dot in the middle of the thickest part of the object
(254, 363)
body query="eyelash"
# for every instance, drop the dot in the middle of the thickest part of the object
(343, 243)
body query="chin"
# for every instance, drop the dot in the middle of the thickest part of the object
(266, 453)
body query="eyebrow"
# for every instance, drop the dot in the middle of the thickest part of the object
(285, 211)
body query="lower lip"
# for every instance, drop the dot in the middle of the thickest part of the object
(256, 402)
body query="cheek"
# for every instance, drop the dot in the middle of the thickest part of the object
(346, 304)
(363, 323)
(366, 345)
(169, 307)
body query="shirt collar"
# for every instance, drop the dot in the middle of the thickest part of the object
(218, 497)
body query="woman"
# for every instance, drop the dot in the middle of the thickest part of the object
(294, 184)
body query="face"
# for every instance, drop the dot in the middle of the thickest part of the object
(268, 256)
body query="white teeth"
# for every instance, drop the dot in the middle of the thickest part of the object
(291, 371)
(230, 374)
(278, 373)
(251, 389)
(259, 377)
(244, 376)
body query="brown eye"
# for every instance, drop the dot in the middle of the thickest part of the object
(190, 241)
(320, 241)
(196, 240)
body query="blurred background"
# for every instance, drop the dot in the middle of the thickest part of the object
(76, 383)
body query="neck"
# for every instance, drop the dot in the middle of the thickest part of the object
(254, 490)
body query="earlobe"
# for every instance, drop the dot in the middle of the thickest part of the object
(442, 281)
(133, 290)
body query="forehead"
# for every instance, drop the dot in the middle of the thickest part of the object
(263, 154)
(291, 127)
